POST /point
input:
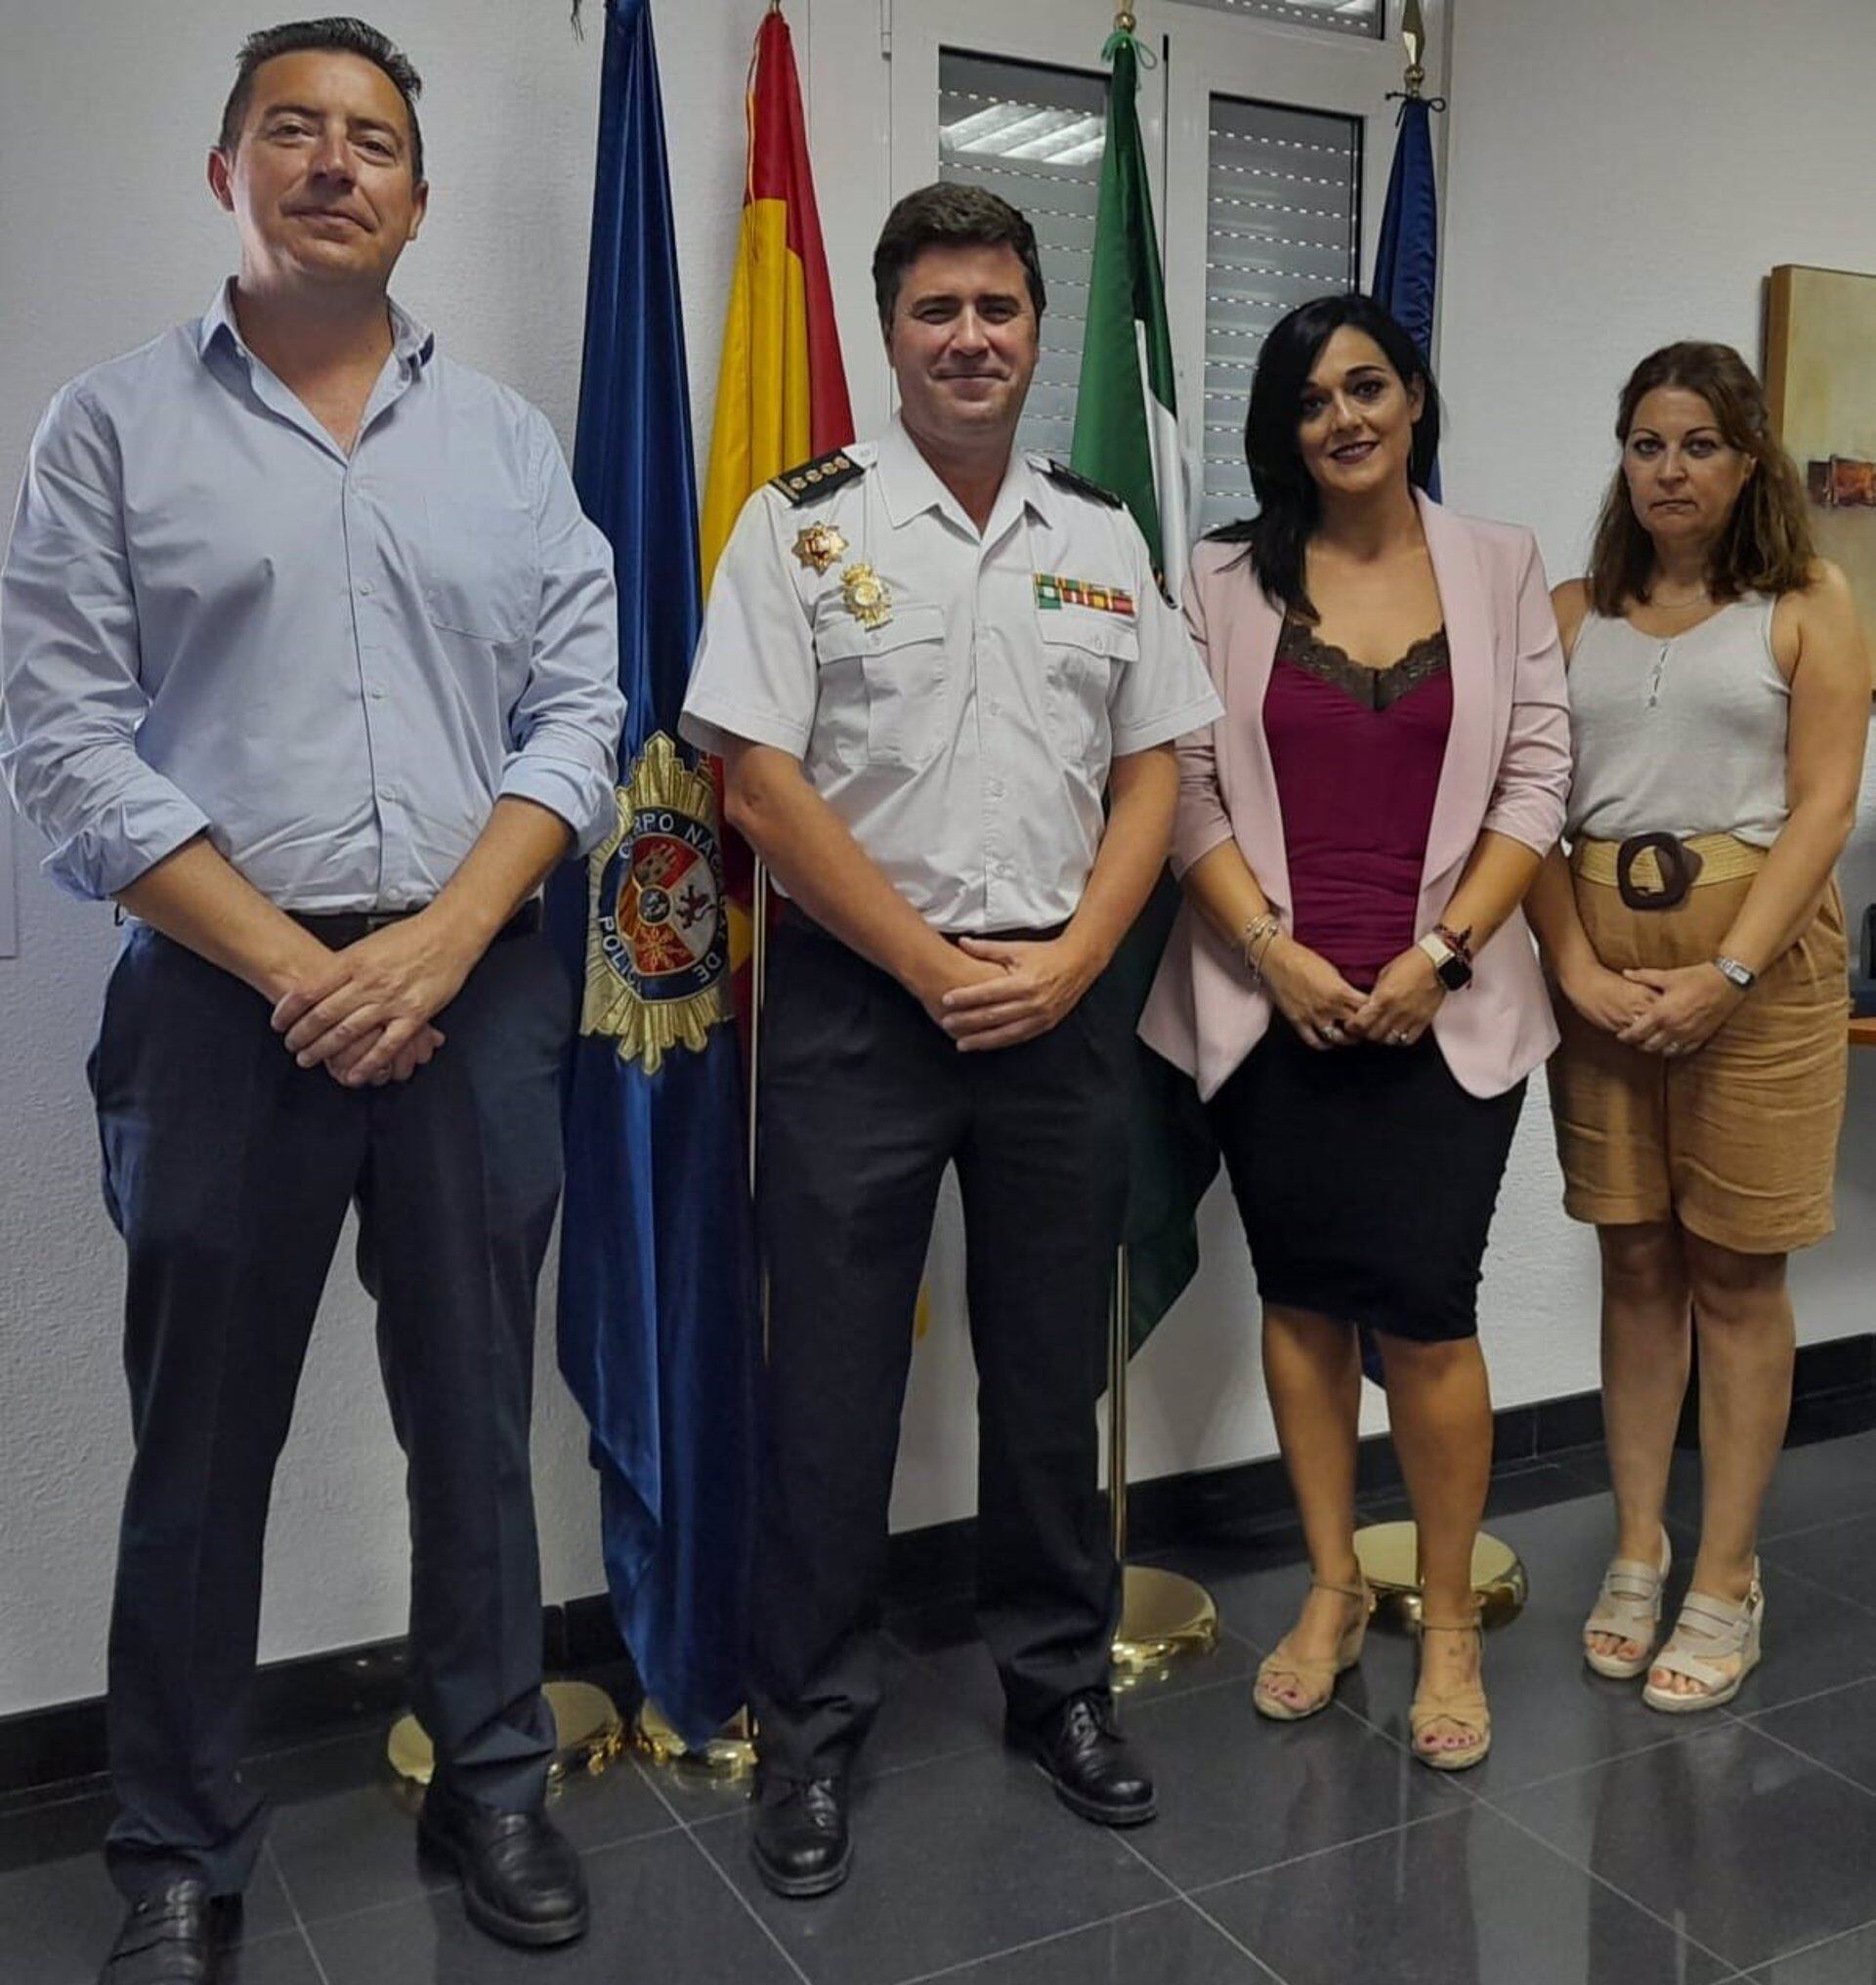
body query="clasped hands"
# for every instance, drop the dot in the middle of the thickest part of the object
(364, 1013)
(994, 993)
(1669, 1012)
(1328, 1012)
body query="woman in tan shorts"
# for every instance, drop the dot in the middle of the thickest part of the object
(1720, 700)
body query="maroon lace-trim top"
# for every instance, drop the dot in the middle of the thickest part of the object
(1357, 754)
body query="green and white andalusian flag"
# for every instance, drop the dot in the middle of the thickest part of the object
(1127, 439)
(1126, 427)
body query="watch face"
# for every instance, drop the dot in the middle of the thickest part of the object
(1454, 973)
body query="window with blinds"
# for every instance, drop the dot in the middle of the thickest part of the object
(1283, 224)
(1034, 135)
(1340, 16)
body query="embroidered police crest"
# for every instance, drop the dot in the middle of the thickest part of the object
(657, 939)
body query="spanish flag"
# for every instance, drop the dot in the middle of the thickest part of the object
(780, 390)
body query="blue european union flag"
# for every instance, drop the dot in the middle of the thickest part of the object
(1407, 259)
(658, 1322)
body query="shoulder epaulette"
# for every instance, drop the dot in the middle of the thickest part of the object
(818, 478)
(1060, 472)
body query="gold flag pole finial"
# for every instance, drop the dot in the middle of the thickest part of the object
(1413, 36)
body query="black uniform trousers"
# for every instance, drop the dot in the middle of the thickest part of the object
(864, 1103)
(227, 1170)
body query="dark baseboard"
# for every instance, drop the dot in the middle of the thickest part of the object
(299, 1701)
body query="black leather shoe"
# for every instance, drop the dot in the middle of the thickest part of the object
(801, 1844)
(175, 1936)
(1081, 1755)
(521, 1881)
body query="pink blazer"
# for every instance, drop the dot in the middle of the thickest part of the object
(1506, 768)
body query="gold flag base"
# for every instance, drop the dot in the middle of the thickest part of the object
(589, 1736)
(728, 1755)
(1164, 1620)
(1389, 1556)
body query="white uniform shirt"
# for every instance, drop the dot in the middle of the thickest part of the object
(964, 738)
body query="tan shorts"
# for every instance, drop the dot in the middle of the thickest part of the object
(1738, 1140)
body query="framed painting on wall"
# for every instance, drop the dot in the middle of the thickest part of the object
(1820, 378)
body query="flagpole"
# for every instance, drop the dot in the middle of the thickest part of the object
(1389, 1552)
(1165, 1616)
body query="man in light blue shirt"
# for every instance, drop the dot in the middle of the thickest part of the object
(308, 659)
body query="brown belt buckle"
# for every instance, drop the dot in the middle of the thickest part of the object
(1677, 864)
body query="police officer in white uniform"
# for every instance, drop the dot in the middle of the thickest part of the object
(925, 660)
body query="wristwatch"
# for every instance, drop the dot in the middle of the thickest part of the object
(1452, 967)
(1730, 969)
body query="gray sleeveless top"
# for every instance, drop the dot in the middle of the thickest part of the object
(1680, 736)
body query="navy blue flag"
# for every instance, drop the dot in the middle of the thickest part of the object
(1407, 259)
(660, 1335)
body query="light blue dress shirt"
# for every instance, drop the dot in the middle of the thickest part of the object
(212, 619)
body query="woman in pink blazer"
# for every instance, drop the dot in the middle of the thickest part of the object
(1351, 982)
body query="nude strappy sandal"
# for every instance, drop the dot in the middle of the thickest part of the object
(1320, 1676)
(1465, 1707)
(1716, 1632)
(1628, 1608)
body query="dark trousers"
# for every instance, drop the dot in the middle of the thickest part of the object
(227, 1170)
(863, 1104)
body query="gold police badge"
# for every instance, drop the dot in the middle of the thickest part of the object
(819, 545)
(657, 934)
(866, 596)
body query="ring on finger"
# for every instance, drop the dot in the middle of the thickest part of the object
(1331, 1030)
(1399, 1038)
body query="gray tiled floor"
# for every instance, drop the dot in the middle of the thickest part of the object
(1600, 1844)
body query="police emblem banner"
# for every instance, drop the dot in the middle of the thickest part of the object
(656, 924)
(658, 1325)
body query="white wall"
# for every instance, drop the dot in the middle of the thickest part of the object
(1721, 156)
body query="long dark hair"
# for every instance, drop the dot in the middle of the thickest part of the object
(1767, 544)
(1289, 504)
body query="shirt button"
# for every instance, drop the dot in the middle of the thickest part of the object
(376, 693)
(388, 792)
(364, 587)
(996, 788)
(995, 708)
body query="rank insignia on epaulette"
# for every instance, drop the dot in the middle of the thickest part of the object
(1060, 472)
(819, 478)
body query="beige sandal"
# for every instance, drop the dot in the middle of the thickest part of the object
(1628, 1608)
(1467, 1707)
(1709, 1637)
(1319, 1676)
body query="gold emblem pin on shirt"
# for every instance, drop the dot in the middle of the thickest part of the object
(819, 545)
(867, 596)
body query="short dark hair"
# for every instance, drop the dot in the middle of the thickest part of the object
(950, 215)
(345, 34)
(1767, 545)
(1289, 504)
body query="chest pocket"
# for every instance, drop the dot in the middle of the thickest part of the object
(902, 668)
(1084, 657)
(480, 567)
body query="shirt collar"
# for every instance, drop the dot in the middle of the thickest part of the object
(411, 343)
(910, 485)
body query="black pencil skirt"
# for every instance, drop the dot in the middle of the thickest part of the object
(1365, 1177)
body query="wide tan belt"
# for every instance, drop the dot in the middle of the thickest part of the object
(1636, 866)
